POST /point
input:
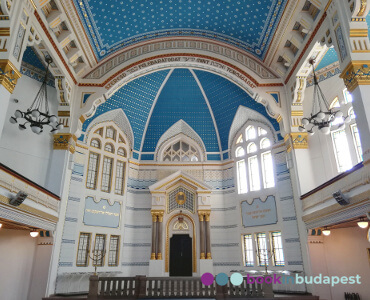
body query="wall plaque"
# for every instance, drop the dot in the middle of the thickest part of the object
(102, 213)
(259, 212)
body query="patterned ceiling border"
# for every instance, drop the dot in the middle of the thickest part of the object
(182, 44)
(166, 61)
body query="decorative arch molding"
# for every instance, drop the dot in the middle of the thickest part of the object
(244, 115)
(189, 45)
(169, 233)
(180, 131)
(119, 118)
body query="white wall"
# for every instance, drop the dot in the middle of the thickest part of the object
(17, 250)
(24, 151)
(40, 270)
(320, 156)
(343, 253)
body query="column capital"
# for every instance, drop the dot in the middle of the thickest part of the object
(356, 73)
(209, 256)
(201, 216)
(9, 75)
(65, 141)
(296, 140)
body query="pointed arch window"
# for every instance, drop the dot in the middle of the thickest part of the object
(240, 139)
(107, 168)
(254, 160)
(181, 151)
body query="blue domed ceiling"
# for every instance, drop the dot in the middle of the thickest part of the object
(112, 25)
(206, 102)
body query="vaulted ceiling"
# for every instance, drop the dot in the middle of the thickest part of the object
(206, 102)
(247, 24)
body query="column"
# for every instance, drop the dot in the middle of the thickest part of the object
(208, 236)
(159, 236)
(356, 80)
(154, 233)
(201, 226)
(8, 79)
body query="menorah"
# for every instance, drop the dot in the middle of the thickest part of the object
(98, 256)
(264, 257)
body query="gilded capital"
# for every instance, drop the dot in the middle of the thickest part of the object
(209, 256)
(65, 141)
(296, 140)
(9, 75)
(202, 255)
(201, 216)
(355, 74)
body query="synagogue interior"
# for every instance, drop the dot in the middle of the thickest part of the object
(146, 143)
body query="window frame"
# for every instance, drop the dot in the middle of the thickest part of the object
(87, 250)
(123, 179)
(104, 249)
(110, 174)
(96, 171)
(340, 166)
(257, 238)
(273, 249)
(262, 133)
(117, 252)
(246, 251)
(357, 142)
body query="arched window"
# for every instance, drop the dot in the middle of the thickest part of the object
(250, 133)
(109, 148)
(335, 103)
(252, 147)
(95, 143)
(181, 151)
(106, 170)
(351, 113)
(121, 152)
(265, 143)
(240, 139)
(239, 152)
(254, 161)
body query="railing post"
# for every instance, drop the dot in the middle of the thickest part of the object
(93, 287)
(267, 287)
(221, 292)
(140, 287)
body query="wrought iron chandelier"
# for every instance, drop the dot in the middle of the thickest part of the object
(37, 115)
(322, 118)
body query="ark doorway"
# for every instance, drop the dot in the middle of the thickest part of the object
(181, 255)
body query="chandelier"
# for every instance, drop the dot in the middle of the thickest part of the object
(322, 118)
(38, 114)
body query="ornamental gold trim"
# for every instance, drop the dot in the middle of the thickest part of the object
(194, 239)
(299, 140)
(358, 32)
(4, 31)
(9, 75)
(356, 73)
(362, 8)
(65, 141)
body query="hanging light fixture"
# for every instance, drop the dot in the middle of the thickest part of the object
(322, 118)
(34, 233)
(326, 231)
(362, 223)
(38, 114)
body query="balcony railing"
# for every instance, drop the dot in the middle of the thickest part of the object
(142, 287)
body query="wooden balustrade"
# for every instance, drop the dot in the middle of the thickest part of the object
(141, 287)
